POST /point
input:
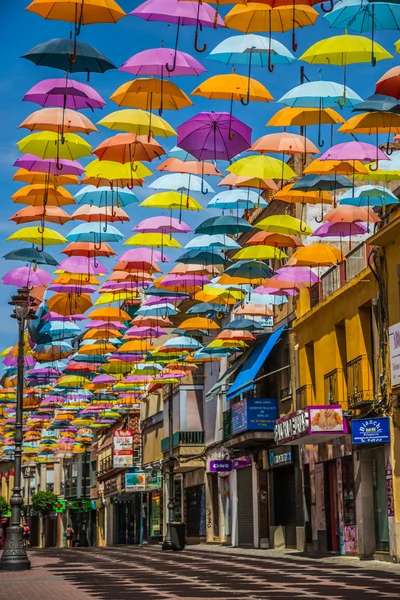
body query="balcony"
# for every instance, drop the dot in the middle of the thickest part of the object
(334, 386)
(360, 382)
(227, 424)
(187, 446)
(305, 395)
(336, 277)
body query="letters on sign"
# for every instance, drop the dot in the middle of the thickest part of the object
(292, 427)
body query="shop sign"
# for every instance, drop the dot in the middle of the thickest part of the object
(122, 459)
(242, 462)
(313, 425)
(221, 466)
(254, 414)
(153, 481)
(111, 486)
(279, 457)
(123, 448)
(135, 482)
(370, 431)
(394, 341)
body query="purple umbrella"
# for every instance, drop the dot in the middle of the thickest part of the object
(144, 255)
(72, 289)
(214, 136)
(174, 279)
(354, 151)
(82, 265)
(98, 324)
(153, 62)
(29, 361)
(120, 285)
(104, 379)
(296, 275)
(26, 277)
(144, 332)
(162, 225)
(30, 162)
(340, 229)
(157, 300)
(64, 93)
(180, 13)
(53, 316)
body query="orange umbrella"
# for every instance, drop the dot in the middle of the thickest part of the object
(303, 117)
(130, 276)
(277, 284)
(340, 167)
(238, 334)
(51, 214)
(69, 304)
(195, 167)
(31, 177)
(269, 238)
(317, 255)
(349, 214)
(253, 182)
(109, 314)
(284, 143)
(90, 213)
(151, 94)
(88, 249)
(182, 269)
(140, 346)
(287, 194)
(195, 323)
(126, 147)
(141, 321)
(75, 279)
(99, 334)
(58, 120)
(253, 310)
(39, 194)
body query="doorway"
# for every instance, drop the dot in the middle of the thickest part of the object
(331, 509)
(380, 499)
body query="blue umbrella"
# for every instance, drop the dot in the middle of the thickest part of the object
(155, 291)
(105, 196)
(268, 299)
(321, 182)
(249, 268)
(165, 309)
(92, 232)
(180, 154)
(378, 103)
(251, 50)
(205, 308)
(243, 323)
(206, 242)
(69, 55)
(182, 341)
(236, 199)
(181, 182)
(224, 224)
(318, 94)
(195, 256)
(369, 195)
(31, 255)
(61, 330)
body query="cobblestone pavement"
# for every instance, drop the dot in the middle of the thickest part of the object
(147, 573)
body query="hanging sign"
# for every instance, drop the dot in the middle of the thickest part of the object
(370, 431)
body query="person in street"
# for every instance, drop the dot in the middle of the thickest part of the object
(69, 532)
(27, 533)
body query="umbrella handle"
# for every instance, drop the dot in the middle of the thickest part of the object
(196, 39)
(374, 168)
(342, 101)
(320, 141)
(171, 69)
(203, 191)
(301, 227)
(73, 57)
(389, 151)
(271, 67)
(41, 248)
(329, 9)
(96, 264)
(294, 45)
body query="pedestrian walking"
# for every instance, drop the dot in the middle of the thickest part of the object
(27, 533)
(69, 532)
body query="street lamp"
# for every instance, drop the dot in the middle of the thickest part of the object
(14, 557)
(167, 543)
(28, 475)
(83, 540)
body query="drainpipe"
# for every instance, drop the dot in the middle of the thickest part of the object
(375, 349)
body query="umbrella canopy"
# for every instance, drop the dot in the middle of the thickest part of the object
(321, 255)
(284, 224)
(151, 94)
(58, 120)
(26, 277)
(264, 167)
(154, 61)
(76, 11)
(126, 147)
(369, 195)
(31, 255)
(162, 225)
(60, 92)
(47, 145)
(223, 225)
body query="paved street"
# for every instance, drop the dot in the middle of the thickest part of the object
(149, 574)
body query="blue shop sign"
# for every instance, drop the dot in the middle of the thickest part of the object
(254, 414)
(370, 431)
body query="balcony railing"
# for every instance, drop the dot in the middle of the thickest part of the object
(334, 388)
(184, 438)
(227, 424)
(304, 395)
(333, 279)
(360, 381)
(106, 464)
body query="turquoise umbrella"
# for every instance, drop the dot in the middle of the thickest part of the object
(237, 199)
(369, 195)
(206, 242)
(94, 232)
(105, 196)
(181, 182)
(224, 224)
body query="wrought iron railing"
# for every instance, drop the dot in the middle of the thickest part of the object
(184, 438)
(360, 381)
(334, 388)
(304, 395)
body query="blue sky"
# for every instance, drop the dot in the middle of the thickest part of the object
(22, 30)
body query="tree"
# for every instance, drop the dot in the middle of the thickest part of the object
(5, 507)
(43, 503)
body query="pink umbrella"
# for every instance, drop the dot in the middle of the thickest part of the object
(53, 316)
(162, 225)
(296, 275)
(72, 289)
(82, 264)
(190, 280)
(97, 324)
(52, 166)
(354, 151)
(104, 379)
(340, 229)
(157, 300)
(276, 291)
(26, 277)
(121, 285)
(64, 93)
(144, 255)
(196, 14)
(128, 358)
(144, 332)
(152, 62)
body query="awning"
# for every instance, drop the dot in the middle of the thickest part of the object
(217, 387)
(245, 379)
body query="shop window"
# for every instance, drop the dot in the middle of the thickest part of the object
(349, 498)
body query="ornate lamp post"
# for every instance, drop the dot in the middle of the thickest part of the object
(28, 475)
(14, 557)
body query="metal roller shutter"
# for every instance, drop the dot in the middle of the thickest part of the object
(245, 507)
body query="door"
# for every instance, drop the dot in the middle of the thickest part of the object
(380, 499)
(245, 507)
(333, 516)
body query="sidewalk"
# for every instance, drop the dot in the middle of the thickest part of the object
(295, 555)
(38, 583)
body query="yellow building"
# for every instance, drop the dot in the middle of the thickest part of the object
(347, 480)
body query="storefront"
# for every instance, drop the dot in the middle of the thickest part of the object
(195, 506)
(316, 437)
(243, 468)
(219, 469)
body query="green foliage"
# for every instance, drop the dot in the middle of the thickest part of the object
(43, 502)
(4, 507)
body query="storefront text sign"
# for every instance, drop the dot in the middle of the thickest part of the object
(221, 466)
(279, 457)
(254, 414)
(370, 431)
(123, 448)
(242, 462)
(135, 482)
(394, 341)
(311, 425)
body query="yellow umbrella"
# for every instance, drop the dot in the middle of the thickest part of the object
(227, 344)
(303, 117)
(372, 122)
(98, 348)
(151, 94)
(263, 167)
(72, 381)
(259, 253)
(284, 224)
(40, 194)
(34, 235)
(47, 144)
(171, 200)
(109, 170)
(84, 12)
(197, 323)
(76, 279)
(317, 255)
(340, 167)
(380, 173)
(109, 314)
(344, 50)
(138, 121)
(153, 240)
(117, 296)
